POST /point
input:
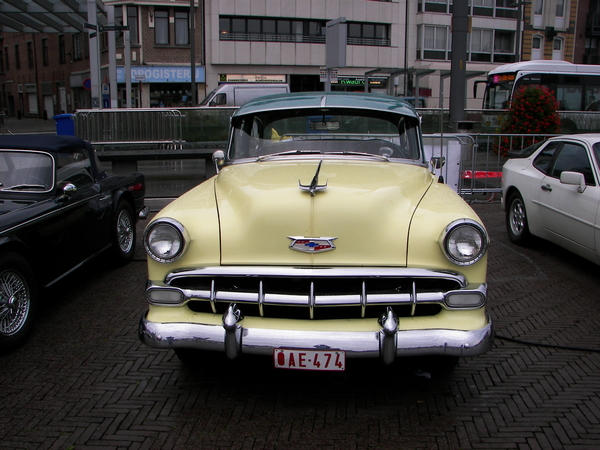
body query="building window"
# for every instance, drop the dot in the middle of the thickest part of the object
(537, 47)
(1, 61)
(440, 6)
(432, 42)
(62, 55)
(6, 60)
(132, 21)
(77, 48)
(591, 53)
(45, 56)
(507, 9)
(557, 49)
(483, 8)
(306, 31)
(367, 34)
(161, 26)
(560, 8)
(119, 22)
(481, 45)
(538, 10)
(182, 27)
(17, 57)
(30, 56)
(504, 46)
(491, 46)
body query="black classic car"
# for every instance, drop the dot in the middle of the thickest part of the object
(58, 210)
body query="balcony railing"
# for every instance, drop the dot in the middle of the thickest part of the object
(299, 38)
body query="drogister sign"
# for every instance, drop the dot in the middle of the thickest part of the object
(165, 74)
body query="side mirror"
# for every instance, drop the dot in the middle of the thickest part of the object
(218, 158)
(573, 178)
(67, 190)
(437, 162)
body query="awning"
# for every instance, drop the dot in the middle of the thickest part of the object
(47, 16)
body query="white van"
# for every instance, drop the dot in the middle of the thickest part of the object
(236, 94)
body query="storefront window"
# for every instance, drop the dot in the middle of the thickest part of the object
(170, 95)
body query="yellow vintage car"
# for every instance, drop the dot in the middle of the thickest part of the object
(325, 236)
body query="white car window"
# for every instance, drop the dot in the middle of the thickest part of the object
(573, 158)
(544, 158)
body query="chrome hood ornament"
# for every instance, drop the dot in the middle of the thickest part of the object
(312, 245)
(314, 185)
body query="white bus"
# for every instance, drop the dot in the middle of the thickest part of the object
(575, 86)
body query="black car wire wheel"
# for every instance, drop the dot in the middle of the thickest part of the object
(14, 302)
(125, 227)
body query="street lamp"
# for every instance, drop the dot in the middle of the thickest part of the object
(519, 5)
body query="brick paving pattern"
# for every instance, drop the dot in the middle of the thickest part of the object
(83, 380)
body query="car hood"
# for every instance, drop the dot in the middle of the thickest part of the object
(365, 211)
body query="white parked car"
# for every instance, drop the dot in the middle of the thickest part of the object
(551, 191)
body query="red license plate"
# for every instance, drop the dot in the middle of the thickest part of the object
(309, 359)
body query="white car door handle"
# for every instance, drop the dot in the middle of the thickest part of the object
(547, 187)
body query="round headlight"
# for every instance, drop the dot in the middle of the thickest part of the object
(464, 242)
(164, 240)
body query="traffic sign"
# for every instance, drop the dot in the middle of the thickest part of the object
(114, 27)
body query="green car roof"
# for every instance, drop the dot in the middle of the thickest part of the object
(306, 100)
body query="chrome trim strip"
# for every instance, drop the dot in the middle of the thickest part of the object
(363, 300)
(312, 300)
(413, 299)
(261, 341)
(261, 297)
(320, 272)
(213, 296)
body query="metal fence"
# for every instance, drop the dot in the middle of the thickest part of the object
(473, 162)
(130, 126)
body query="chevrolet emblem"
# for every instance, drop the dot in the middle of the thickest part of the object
(312, 245)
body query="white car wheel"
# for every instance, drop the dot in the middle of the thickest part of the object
(516, 220)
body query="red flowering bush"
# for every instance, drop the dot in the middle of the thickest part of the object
(532, 111)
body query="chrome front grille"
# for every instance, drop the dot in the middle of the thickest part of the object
(299, 293)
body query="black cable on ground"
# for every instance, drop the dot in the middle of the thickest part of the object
(537, 344)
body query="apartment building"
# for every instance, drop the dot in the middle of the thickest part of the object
(402, 45)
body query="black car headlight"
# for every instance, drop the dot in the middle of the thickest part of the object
(464, 242)
(164, 240)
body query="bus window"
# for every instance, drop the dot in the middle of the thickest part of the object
(497, 96)
(569, 97)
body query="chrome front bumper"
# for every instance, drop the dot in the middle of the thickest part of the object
(388, 343)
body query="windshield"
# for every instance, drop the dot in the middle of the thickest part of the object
(207, 98)
(498, 91)
(26, 171)
(325, 131)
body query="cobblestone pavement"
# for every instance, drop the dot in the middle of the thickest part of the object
(84, 381)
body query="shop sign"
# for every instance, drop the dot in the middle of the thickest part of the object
(229, 78)
(360, 81)
(163, 74)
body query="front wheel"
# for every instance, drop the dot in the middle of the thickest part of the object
(18, 300)
(517, 225)
(124, 232)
